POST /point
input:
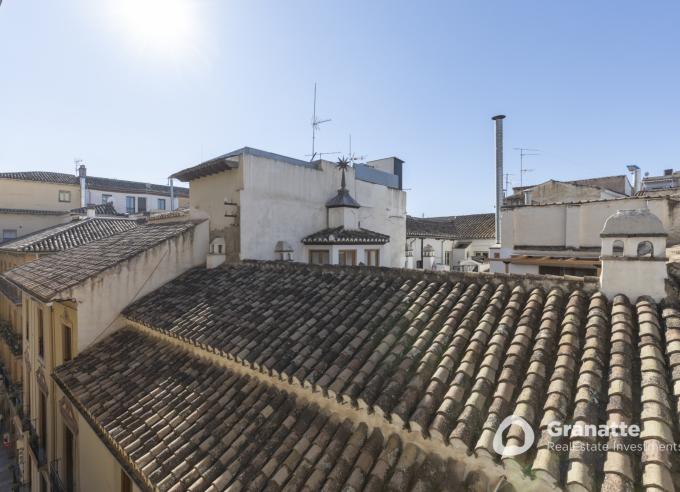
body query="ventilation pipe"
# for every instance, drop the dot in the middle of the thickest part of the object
(499, 173)
(172, 194)
(635, 171)
(82, 176)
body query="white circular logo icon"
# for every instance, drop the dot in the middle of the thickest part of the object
(504, 450)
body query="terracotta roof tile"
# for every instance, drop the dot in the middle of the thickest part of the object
(447, 357)
(50, 275)
(70, 235)
(247, 434)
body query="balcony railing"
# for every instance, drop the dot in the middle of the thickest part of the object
(56, 484)
(37, 444)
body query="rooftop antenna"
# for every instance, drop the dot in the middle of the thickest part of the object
(507, 183)
(316, 123)
(522, 154)
(352, 157)
(77, 162)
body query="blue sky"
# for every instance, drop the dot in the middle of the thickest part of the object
(594, 85)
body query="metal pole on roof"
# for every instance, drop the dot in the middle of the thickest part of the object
(499, 173)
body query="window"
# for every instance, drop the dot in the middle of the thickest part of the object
(125, 482)
(319, 257)
(617, 248)
(41, 334)
(64, 196)
(130, 204)
(141, 204)
(645, 249)
(447, 257)
(25, 320)
(69, 459)
(576, 272)
(107, 199)
(43, 420)
(9, 234)
(66, 349)
(373, 257)
(347, 257)
(161, 204)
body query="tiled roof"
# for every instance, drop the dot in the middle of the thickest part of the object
(27, 211)
(102, 209)
(449, 356)
(475, 226)
(43, 176)
(95, 183)
(48, 276)
(180, 422)
(70, 235)
(340, 235)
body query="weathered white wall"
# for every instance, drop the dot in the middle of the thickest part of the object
(132, 279)
(634, 278)
(578, 224)
(285, 202)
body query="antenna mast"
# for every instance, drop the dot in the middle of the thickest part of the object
(315, 125)
(522, 154)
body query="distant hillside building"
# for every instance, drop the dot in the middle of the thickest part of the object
(267, 206)
(458, 242)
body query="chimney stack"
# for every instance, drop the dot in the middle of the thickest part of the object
(499, 173)
(82, 176)
(635, 170)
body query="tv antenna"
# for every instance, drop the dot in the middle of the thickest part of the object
(76, 162)
(507, 183)
(353, 157)
(522, 154)
(316, 124)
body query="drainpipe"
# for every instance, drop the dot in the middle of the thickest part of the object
(499, 173)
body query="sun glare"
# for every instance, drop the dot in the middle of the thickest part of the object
(162, 27)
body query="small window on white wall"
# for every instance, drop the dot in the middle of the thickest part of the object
(161, 204)
(617, 248)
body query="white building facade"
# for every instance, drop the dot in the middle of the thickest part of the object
(257, 200)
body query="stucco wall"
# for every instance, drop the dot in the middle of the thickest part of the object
(279, 201)
(36, 195)
(555, 191)
(98, 469)
(28, 223)
(578, 225)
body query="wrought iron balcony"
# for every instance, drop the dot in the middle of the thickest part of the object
(37, 444)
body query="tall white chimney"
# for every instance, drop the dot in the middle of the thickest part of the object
(499, 173)
(82, 175)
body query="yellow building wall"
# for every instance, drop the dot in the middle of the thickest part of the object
(35, 195)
